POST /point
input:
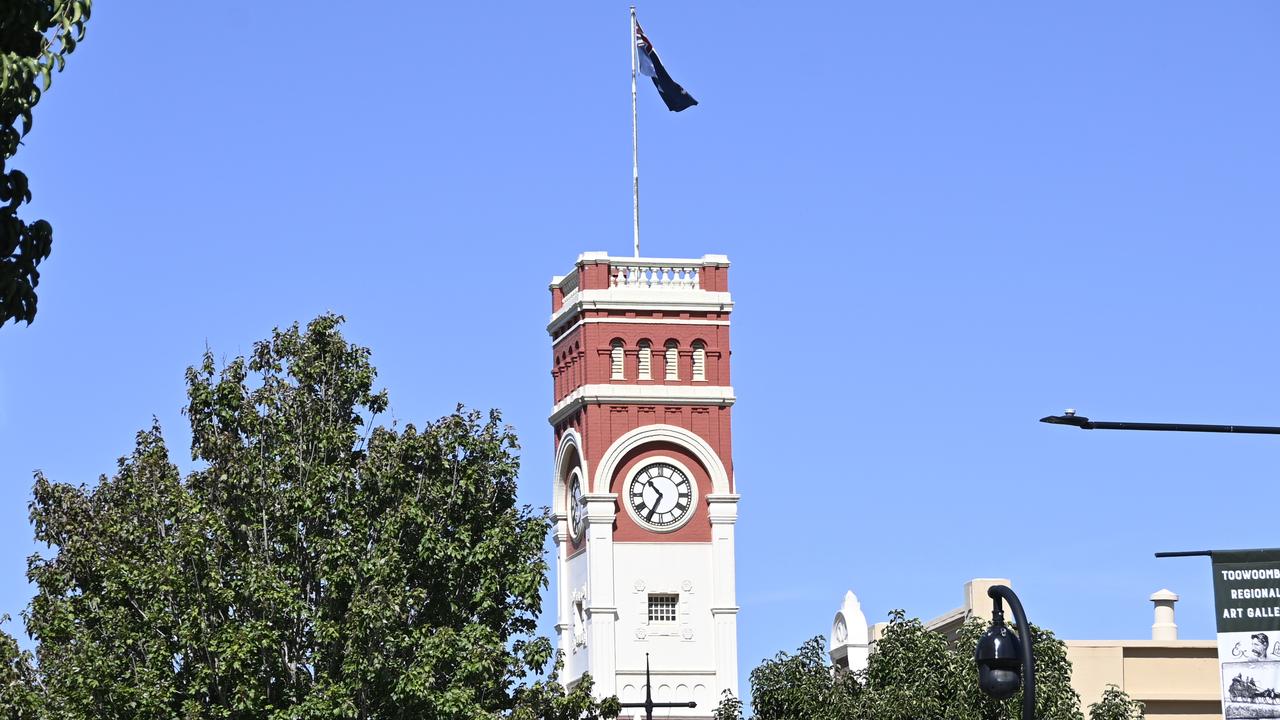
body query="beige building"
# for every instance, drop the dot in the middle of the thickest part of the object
(1176, 679)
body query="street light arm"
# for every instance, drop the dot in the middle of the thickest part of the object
(1084, 423)
(1070, 418)
(998, 592)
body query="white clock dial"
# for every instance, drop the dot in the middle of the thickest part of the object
(841, 630)
(660, 495)
(577, 508)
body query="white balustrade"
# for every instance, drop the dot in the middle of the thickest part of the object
(654, 277)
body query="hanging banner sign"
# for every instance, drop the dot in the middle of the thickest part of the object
(1246, 590)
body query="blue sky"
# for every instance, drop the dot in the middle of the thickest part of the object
(946, 220)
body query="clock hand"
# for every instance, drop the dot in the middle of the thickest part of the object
(655, 489)
(654, 509)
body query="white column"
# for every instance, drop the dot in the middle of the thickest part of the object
(723, 510)
(564, 599)
(601, 606)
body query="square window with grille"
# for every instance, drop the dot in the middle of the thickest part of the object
(662, 608)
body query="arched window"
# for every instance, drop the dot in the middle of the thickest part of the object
(645, 371)
(699, 360)
(616, 358)
(673, 359)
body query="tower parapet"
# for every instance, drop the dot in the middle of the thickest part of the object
(597, 271)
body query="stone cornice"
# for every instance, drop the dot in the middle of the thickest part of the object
(723, 508)
(600, 508)
(648, 299)
(605, 394)
(723, 498)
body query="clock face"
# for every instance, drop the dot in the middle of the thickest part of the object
(841, 630)
(577, 507)
(660, 495)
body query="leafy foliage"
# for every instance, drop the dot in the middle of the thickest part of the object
(19, 695)
(548, 700)
(1116, 705)
(801, 686)
(314, 567)
(912, 674)
(730, 708)
(35, 38)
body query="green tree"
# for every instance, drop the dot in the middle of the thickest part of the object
(912, 674)
(35, 38)
(801, 686)
(548, 700)
(314, 566)
(19, 690)
(1116, 705)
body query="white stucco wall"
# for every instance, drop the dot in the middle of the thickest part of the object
(682, 654)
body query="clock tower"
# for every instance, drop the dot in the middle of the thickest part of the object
(644, 497)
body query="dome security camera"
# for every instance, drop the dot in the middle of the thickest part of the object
(999, 661)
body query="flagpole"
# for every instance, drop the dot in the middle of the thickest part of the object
(635, 142)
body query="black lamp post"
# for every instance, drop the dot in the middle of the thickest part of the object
(1070, 417)
(648, 703)
(1006, 661)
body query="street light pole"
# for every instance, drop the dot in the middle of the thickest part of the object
(1071, 418)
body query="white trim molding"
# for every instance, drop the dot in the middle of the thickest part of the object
(667, 301)
(723, 508)
(608, 394)
(601, 509)
(647, 434)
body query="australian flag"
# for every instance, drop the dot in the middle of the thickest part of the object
(673, 95)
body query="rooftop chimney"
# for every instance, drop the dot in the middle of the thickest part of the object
(1164, 627)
